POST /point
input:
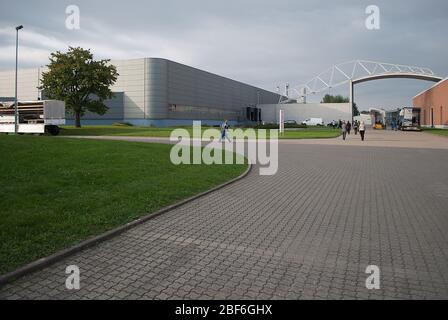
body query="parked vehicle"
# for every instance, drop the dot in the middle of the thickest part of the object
(290, 122)
(333, 124)
(36, 117)
(378, 126)
(313, 122)
(409, 119)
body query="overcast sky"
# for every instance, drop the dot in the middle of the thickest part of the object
(264, 43)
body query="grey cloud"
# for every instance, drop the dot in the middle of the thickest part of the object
(265, 43)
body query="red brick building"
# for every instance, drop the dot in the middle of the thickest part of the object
(433, 104)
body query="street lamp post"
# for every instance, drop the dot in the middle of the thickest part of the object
(16, 110)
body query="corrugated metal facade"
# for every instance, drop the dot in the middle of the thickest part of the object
(160, 89)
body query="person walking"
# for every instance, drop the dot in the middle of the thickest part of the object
(394, 125)
(349, 127)
(355, 127)
(224, 130)
(362, 130)
(344, 130)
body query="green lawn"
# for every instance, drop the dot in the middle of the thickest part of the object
(57, 192)
(308, 133)
(115, 131)
(440, 132)
(311, 133)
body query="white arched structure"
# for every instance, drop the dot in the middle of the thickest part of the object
(359, 71)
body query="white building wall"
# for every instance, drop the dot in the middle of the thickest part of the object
(367, 118)
(151, 86)
(300, 112)
(131, 81)
(27, 80)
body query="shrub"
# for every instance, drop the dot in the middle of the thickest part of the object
(122, 124)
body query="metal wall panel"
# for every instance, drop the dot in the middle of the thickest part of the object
(188, 86)
(131, 82)
(151, 86)
(156, 88)
(27, 83)
(115, 111)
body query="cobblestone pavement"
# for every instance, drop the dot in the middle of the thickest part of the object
(308, 232)
(374, 138)
(383, 138)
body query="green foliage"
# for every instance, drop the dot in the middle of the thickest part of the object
(440, 132)
(315, 133)
(57, 192)
(328, 98)
(276, 126)
(355, 110)
(79, 80)
(297, 132)
(266, 126)
(122, 124)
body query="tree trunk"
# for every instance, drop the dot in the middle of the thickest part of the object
(77, 119)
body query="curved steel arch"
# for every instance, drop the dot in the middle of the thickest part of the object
(398, 75)
(359, 71)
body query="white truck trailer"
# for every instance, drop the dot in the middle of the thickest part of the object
(38, 117)
(409, 119)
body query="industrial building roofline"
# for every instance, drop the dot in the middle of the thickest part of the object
(435, 85)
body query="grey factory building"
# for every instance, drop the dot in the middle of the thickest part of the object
(160, 92)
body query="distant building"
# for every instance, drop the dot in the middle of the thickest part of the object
(302, 111)
(392, 117)
(433, 105)
(367, 118)
(160, 92)
(378, 116)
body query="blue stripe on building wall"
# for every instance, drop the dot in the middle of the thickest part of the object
(150, 122)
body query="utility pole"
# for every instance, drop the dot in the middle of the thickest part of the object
(16, 108)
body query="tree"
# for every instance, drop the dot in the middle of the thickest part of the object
(328, 98)
(355, 110)
(83, 83)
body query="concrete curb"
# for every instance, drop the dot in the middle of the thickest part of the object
(46, 261)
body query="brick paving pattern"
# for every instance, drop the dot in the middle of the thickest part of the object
(308, 232)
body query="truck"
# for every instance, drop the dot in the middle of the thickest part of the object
(409, 119)
(37, 117)
(313, 122)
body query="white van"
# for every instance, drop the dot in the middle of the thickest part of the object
(313, 122)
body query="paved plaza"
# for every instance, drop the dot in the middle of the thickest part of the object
(309, 232)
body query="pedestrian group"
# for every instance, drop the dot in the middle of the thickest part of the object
(357, 126)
